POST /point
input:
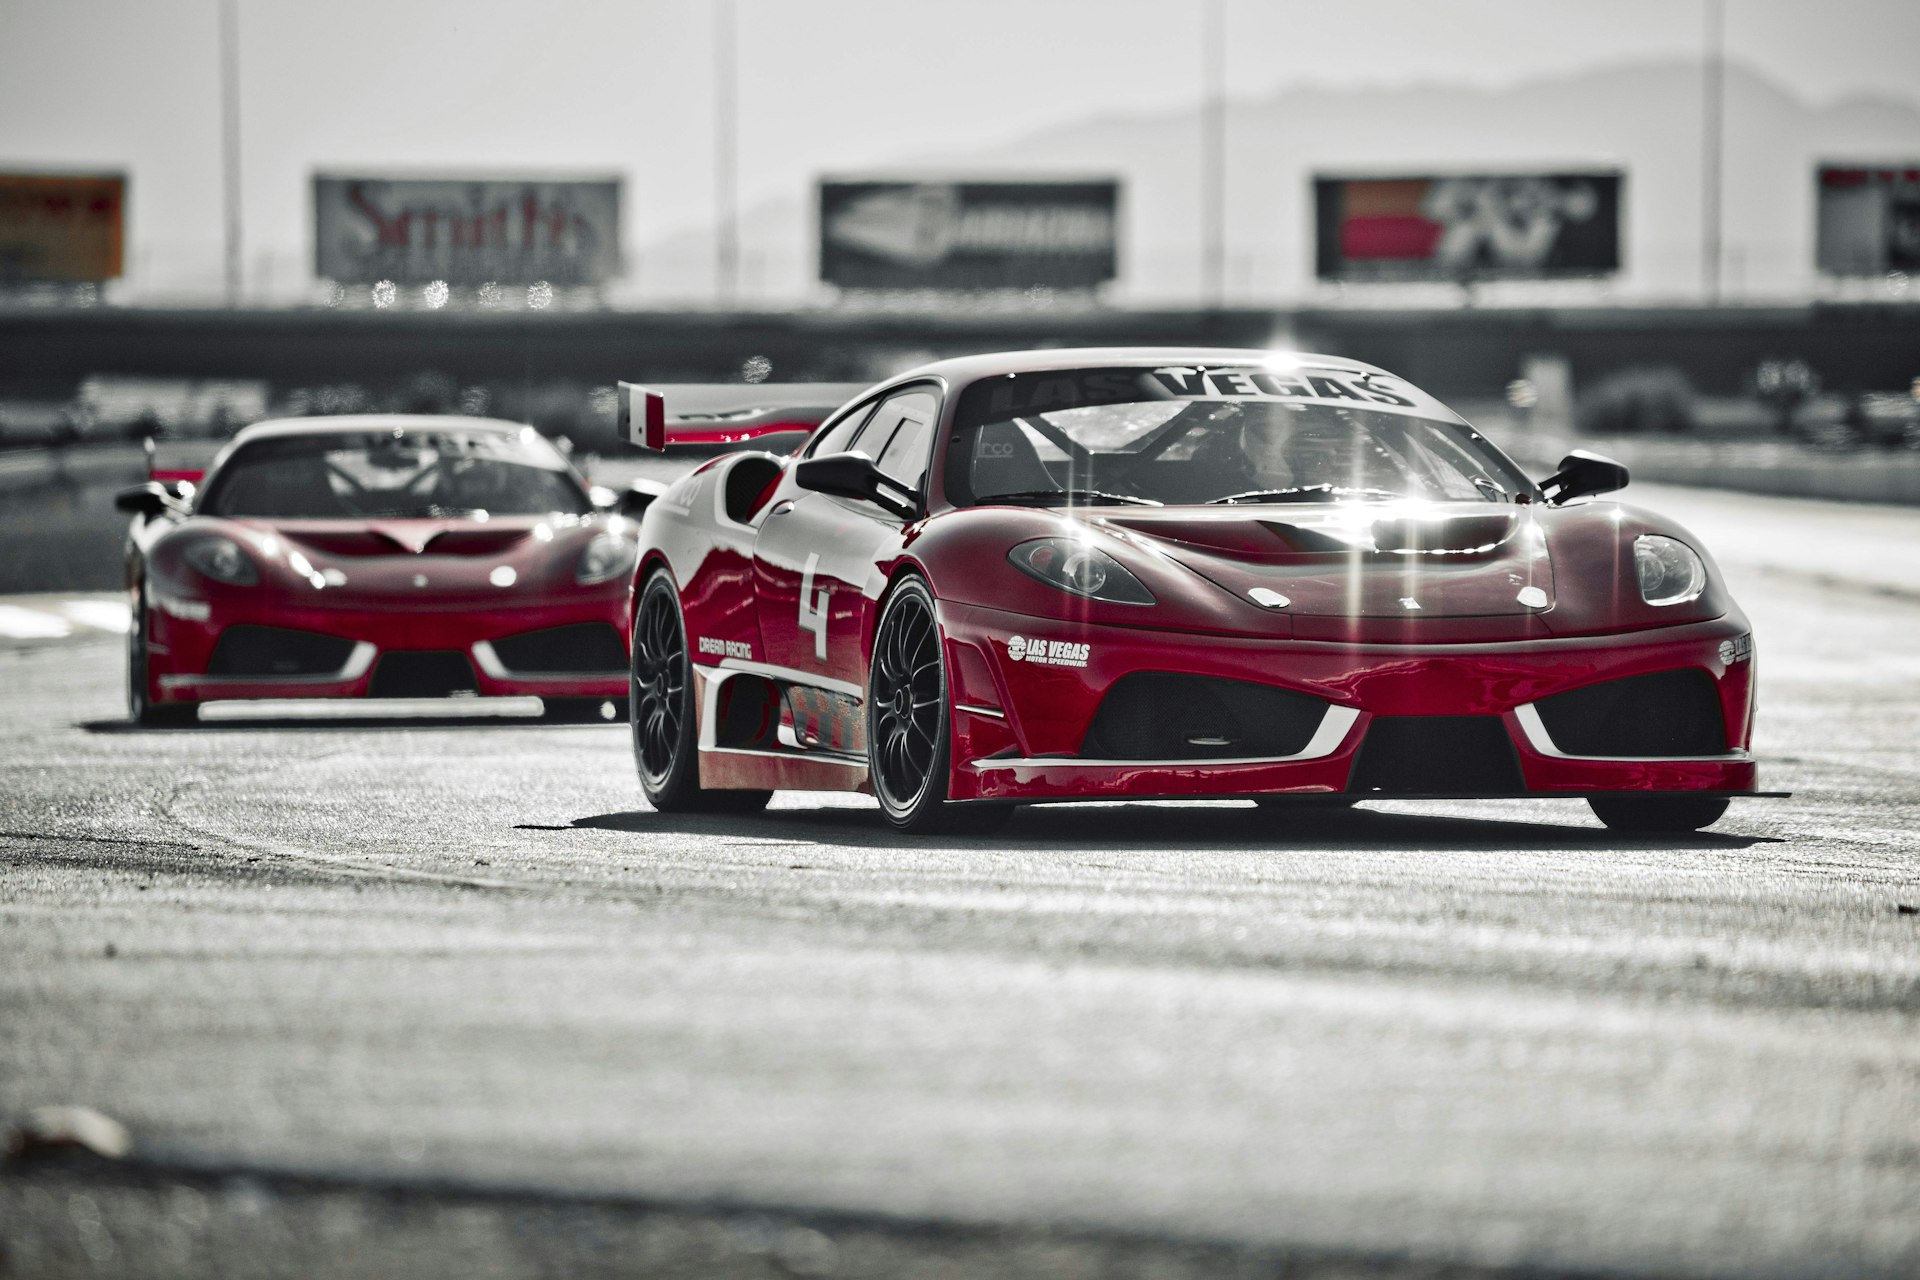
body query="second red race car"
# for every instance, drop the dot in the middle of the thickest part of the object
(382, 556)
(1127, 574)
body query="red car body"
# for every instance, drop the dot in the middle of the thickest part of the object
(1523, 661)
(455, 605)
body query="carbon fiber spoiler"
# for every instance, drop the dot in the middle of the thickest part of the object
(710, 413)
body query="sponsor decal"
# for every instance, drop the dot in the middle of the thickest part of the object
(813, 607)
(716, 647)
(1048, 653)
(1042, 393)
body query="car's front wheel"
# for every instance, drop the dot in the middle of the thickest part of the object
(1657, 813)
(661, 702)
(909, 724)
(141, 708)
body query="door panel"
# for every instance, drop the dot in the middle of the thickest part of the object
(816, 579)
(814, 566)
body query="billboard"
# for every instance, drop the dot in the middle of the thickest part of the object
(466, 230)
(66, 228)
(971, 235)
(1869, 219)
(1467, 227)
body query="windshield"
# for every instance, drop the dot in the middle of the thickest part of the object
(1216, 435)
(396, 474)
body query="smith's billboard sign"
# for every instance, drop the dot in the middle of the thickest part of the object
(1468, 227)
(968, 235)
(416, 230)
(62, 228)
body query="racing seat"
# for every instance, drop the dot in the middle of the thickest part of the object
(1004, 461)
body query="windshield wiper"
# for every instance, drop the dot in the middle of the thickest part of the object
(1302, 493)
(1046, 497)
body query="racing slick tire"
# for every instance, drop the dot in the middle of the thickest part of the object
(661, 706)
(1657, 813)
(910, 723)
(141, 709)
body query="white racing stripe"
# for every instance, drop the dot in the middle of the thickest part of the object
(56, 617)
(17, 623)
(101, 615)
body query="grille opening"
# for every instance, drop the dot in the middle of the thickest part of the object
(1659, 715)
(1161, 715)
(1446, 754)
(277, 652)
(591, 648)
(749, 713)
(428, 674)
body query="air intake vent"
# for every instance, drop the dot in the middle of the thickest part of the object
(1155, 715)
(586, 648)
(422, 675)
(1661, 715)
(276, 653)
(1445, 755)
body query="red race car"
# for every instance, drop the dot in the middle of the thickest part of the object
(1129, 574)
(390, 556)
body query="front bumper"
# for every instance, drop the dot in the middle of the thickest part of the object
(1021, 724)
(181, 647)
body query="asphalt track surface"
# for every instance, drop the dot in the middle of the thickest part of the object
(433, 998)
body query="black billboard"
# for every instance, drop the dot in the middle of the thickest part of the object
(968, 236)
(1467, 227)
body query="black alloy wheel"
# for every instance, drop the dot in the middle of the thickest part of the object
(909, 735)
(141, 709)
(1627, 812)
(661, 703)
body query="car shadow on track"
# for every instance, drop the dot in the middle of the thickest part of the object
(345, 724)
(1220, 826)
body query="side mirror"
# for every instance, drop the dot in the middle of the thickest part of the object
(853, 475)
(1583, 474)
(149, 500)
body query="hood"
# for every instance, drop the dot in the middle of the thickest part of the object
(1348, 561)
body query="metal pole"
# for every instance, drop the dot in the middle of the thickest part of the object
(1213, 149)
(725, 150)
(1713, 78)
(230, 141)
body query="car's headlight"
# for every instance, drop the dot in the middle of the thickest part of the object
(1080, 568)
(222, 560)
(608, 556)
(1670, 572)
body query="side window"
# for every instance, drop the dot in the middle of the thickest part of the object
(905, 457)
(896, 438)
(834, 439)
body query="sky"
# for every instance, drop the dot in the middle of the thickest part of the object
(826, 86)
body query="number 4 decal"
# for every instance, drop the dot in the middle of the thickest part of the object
(814, 619)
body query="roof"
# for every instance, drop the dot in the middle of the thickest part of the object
(967, 368)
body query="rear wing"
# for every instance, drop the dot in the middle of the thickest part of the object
(703, 413)
(180, 461)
